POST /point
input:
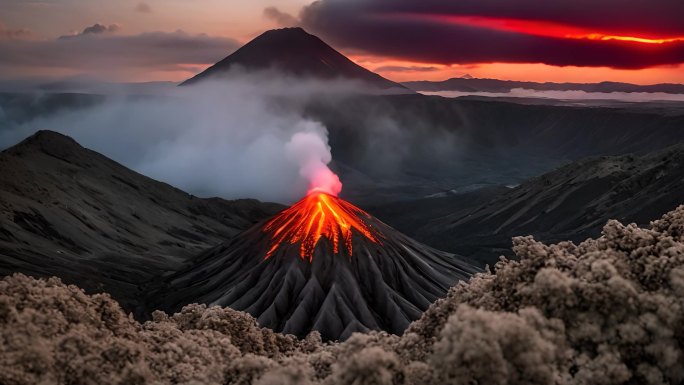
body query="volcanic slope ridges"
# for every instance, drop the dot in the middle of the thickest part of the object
(322, 264)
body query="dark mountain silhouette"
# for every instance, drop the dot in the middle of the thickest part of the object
(360, 274)
(292, 51)
(470, 84)
(71, 212)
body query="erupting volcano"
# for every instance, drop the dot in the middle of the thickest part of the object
(316, 216)
(322, 264)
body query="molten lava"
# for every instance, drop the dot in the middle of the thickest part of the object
(319, 215)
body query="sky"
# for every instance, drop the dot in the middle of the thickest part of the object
(637, 41)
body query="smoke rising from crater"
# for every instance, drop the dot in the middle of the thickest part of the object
(312, 155)
(233, 138)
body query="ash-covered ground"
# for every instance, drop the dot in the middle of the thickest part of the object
(604, 311)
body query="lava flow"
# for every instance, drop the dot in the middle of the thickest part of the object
(316, 216)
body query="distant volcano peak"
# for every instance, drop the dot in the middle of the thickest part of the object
(293, 52)
(287, 33)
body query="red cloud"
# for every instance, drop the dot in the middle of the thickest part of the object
(478, 32)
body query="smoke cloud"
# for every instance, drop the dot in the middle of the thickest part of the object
(232, 138)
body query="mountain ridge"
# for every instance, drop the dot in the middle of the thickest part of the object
(470, 84)
(569, 203)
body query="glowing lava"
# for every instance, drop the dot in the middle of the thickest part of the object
(318, 215)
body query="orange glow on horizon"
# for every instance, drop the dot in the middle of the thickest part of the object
(534, 72)
(317, 216)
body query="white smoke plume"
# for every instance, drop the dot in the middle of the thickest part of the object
(309, 150)
(226, 138)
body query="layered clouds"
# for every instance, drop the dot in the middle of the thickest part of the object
(632, 16)
(105, 51)
(7, 33)
(559, 33)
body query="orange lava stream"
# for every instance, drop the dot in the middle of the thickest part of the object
(318, 215)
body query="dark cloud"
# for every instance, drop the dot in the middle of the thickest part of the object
(390, 29)
(661, 17)
(93, 51)
(406, 69)
(143, 8)
(13, 34)
(95, 29)
(100, 28)
(281, 18)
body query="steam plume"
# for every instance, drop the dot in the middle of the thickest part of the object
(312, 154)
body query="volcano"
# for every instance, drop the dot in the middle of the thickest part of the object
(294, 52)
(322, 264)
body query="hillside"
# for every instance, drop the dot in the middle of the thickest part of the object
(71, 212)
(570, 203)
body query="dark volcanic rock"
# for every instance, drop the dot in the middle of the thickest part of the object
(383, 285)
(292, 51)
(73, 213)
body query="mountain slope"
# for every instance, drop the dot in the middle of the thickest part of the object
(411, 146)
(71, 212)
(322, 265)
(293, 51)
(572, 202)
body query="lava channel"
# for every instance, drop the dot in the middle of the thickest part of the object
(316, 216)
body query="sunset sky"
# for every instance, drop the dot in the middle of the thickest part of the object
(637, 41)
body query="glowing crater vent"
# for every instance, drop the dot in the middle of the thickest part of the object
(316, 216)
